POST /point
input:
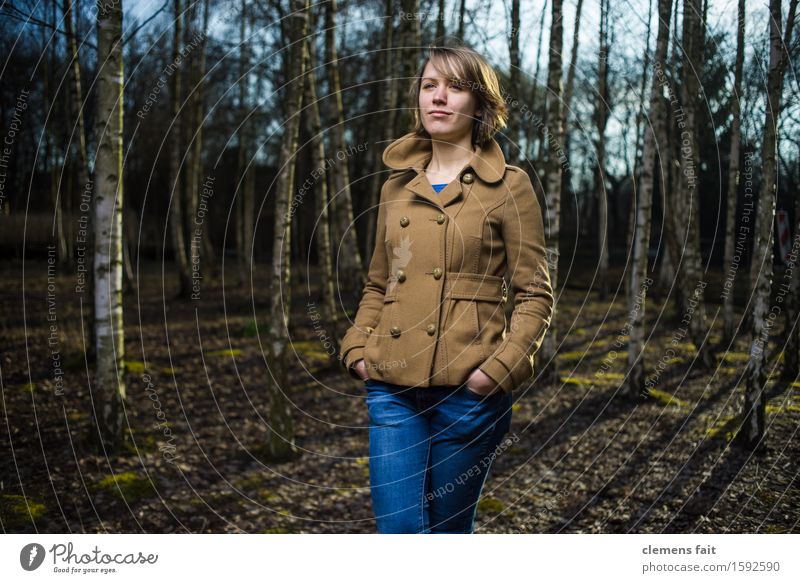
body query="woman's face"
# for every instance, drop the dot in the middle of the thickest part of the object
(447, 111)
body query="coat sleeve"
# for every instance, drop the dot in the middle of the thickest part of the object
(371, 305)
(511, 364)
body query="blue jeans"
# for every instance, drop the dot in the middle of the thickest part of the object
(430, 450)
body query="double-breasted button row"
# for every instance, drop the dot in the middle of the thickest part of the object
(401, 275)
(440, 218)
(467, 178)
(394, 331)
(437, 272)
(404, 221)
(431, 329)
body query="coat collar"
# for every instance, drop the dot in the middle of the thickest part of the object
(413, 151)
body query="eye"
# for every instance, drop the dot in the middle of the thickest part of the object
(426, 85)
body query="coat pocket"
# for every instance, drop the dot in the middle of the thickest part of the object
(379, 344)
(468, 296)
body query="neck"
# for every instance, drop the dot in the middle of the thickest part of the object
(449, 157)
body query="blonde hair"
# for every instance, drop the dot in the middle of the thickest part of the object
(470, 70)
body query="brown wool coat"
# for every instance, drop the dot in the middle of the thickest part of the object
(432, 308)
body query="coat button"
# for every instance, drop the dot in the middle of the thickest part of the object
(437, 273)
(401, 275)
(431, 329)
(369, 330)
(394, 331)
(440, 218)
(404, 221)
(467, 178)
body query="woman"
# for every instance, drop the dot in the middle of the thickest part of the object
(430, 339)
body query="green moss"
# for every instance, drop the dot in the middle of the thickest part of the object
(666, 399)
(249, 483)
(169, 370)
(276, 530)
(571, 356)
(228, 352)
(77, 415)
(734, 357)
(134, 367)
(491, 505)
(311, 349)
(268, 496)
(128, 485)
(28, 388)
(15, 512)
(725, 428)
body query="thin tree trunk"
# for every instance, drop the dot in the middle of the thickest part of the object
(554, 137)
(462, 12)
(206, 251)
(513, 130)
(688, 209)
(280, 441)
(329, 314)
(176, 199)
(669, 274)
(791, 350)
(440, 22)
(639, 118)
(537, 154)
(733, 183)
(84, 248)
(410, 47)
(751, 432)
(342, 202)
(108, 392)
(601, 112)
(196, 35)
(50, 158)
(570, 87)
(640, 282)
(245, 204)
(388, 90)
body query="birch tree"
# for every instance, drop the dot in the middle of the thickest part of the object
(108, 392)
(655, 133)
(555, 156)
(321, 232)
(176, 223)
(348, 253)
(751, 431)
(515, 63)
(280, 442)
(602, 108)
(687, 211)
(733, 180)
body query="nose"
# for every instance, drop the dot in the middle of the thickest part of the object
(440, 94)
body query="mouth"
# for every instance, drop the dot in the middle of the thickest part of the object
(439, 113)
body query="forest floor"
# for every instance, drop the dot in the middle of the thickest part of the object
(581, 459)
